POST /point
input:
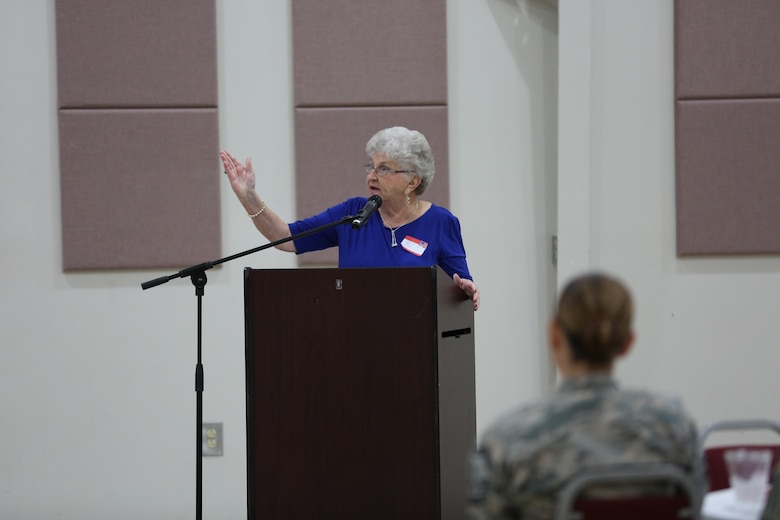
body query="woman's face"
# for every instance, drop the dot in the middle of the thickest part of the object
(392, 185)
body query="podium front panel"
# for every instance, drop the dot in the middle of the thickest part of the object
(344, 392)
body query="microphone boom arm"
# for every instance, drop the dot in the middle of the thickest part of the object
(189, 271)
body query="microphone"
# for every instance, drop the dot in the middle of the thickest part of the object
(373, 203)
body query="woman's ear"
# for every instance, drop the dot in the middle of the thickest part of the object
(626, 348)
(554, 335)
(559, 348)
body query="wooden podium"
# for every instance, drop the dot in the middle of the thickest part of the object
(359, 394)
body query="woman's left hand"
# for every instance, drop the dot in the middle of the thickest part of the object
(469, 287)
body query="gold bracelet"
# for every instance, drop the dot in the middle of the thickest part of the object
(261, 210)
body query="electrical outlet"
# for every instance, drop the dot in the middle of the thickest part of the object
(212, 439)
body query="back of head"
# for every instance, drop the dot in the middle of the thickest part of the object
(409, 148)
(595, 312)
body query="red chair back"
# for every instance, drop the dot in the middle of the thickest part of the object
(684, 503)
(637, 508)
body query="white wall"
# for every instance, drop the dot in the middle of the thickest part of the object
(707, 328)
(503, 105)
(97, 376)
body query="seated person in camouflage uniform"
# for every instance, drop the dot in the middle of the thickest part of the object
(526, 458)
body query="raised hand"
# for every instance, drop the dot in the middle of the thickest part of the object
(241, 176)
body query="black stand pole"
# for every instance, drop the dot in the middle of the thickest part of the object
(199, 281)
(197, 274)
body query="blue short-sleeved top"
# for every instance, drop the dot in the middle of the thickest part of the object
(432, 239)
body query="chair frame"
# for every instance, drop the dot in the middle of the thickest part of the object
(738, 424)
(564, 507)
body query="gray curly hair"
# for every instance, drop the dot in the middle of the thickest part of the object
(409, 148)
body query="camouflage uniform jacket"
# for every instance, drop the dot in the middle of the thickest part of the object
(525, 459)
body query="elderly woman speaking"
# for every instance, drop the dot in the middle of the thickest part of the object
(405, 231)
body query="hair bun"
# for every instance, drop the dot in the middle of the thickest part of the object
(595, 312)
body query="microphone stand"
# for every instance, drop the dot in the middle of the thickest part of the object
(197, 274)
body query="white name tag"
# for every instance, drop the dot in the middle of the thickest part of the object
(414, 245)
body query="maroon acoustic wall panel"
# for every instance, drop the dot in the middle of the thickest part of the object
(137, 97)
(139, 53)
(728, 179)
(369, 52)
(727, 49)
(140, 188)
(727, 109)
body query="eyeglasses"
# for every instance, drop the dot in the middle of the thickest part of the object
(383, 170)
